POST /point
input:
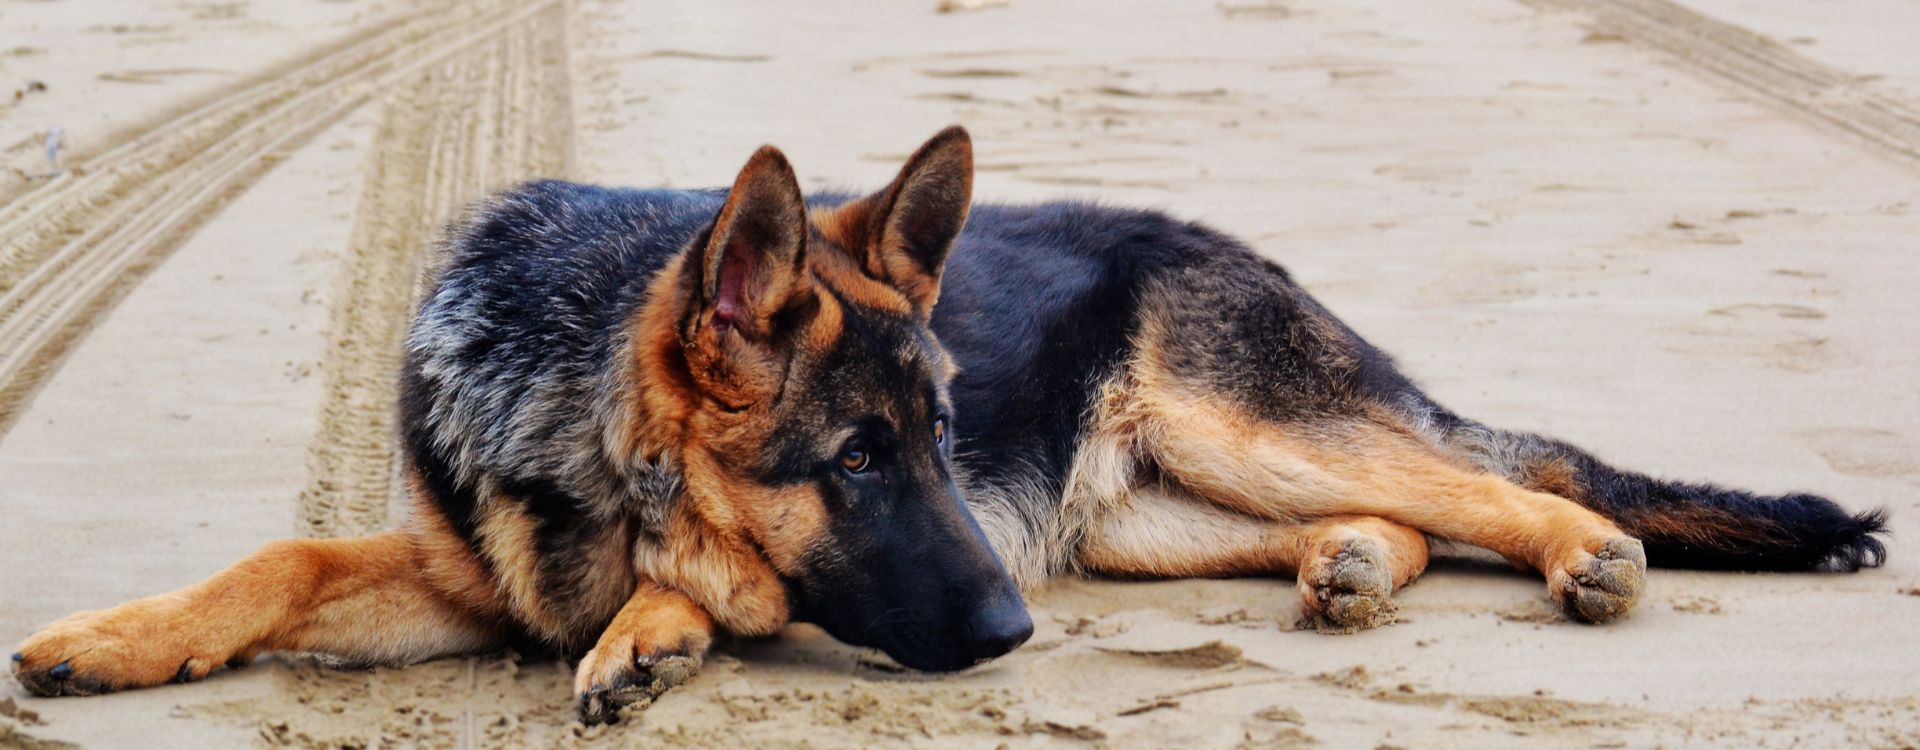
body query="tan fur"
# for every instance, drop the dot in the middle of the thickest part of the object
(1345, 567)
(1162, 532)
(843, 226)
(656, 623)
(1556, 478)
(838, 265)
(721, 572)
(829, 322)
(506, 537)
(1361, 468)
(658, 411)
(783, 523)
(1032, 548)
(1406, 547)
(446, 563)
(362, 599)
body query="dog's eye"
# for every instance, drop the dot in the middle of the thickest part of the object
(855, 460)
(940, 431)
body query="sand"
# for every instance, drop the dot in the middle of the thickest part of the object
(1680, 236)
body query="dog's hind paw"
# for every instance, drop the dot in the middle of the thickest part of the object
(1602, 584)
(1349, 588)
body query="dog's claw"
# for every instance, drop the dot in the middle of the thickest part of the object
(594, 708)
(60, 671)
(19, 657)
(644, 678)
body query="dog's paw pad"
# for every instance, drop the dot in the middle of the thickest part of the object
(1350, 589)
(1602, 584)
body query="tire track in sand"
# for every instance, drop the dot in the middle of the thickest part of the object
(1759, 66)
(75, 244)
(498, 113)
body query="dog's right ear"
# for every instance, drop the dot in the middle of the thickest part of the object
(752, 266)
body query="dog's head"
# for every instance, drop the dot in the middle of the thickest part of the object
(822, 432)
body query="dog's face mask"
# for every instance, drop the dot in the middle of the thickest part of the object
(826, 436)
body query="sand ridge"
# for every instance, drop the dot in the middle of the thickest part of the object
(76, 241)
(494, 114)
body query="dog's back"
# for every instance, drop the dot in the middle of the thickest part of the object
(1091, 339)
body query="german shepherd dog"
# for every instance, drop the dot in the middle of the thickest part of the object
(633, 419)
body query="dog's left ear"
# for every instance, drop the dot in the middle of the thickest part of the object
(910, 226)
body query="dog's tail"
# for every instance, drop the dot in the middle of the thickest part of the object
(1682, 524)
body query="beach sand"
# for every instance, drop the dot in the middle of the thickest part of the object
(1680, 236)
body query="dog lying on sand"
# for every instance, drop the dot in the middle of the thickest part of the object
(635, 418)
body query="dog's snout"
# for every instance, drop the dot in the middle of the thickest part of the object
(999, 628)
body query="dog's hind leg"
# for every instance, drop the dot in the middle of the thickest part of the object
(1360, 465)
(1346, 567)
(367, 600)
(1351, 567)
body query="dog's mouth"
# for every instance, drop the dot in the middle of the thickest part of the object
(941, 645)
(921, 664)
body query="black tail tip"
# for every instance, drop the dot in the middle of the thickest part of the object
(1857, 543)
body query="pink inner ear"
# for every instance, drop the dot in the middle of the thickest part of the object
(730, 305)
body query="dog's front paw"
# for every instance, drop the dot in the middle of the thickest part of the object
(1602, 581)
(634, 670)
(134, 645)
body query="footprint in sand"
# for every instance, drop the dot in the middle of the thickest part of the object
(1863, 451)
(1474, 279)
(1435, 168)
(1792, 312)
(1779, 334)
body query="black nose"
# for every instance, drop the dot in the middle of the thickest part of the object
(998, 628)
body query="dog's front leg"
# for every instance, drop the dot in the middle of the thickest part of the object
(362, 600)
(657, 641)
